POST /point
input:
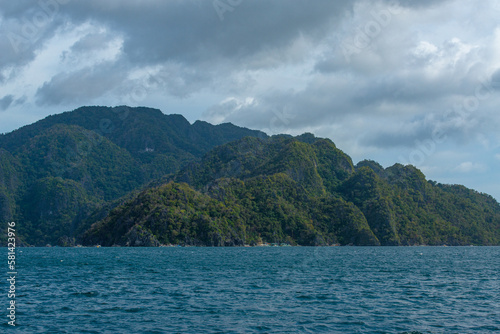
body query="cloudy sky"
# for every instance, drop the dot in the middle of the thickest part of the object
(394, 81)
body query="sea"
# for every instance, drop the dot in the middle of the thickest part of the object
(256, 290)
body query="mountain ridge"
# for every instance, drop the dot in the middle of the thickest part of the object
(302, 192)
(107, 151)
(88, 175)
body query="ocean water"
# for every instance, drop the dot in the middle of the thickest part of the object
(257, 290)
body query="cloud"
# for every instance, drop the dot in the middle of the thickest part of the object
(495, 80)
(190, 32)
(92, 42)
(21, 100)
(6, 101)
(26, 26)
(189, 49)
(80, 86)
(377, 77)
(468, 167)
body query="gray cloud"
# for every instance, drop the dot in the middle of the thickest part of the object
(495, 80)
(6, 101)
(186, 38)
(91, 42)
(26, 26)
(80, 86)
(21, 100)
(191, 32)
(279, 66)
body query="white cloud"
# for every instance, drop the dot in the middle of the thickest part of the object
(226, 108)
(277, 66)
(468, 167)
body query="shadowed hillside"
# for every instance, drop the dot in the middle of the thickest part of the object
(55, 172)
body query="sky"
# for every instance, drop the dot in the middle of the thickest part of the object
(412, 82)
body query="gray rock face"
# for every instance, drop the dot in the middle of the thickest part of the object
(137, 237)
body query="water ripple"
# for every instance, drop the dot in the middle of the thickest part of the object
(259, 290)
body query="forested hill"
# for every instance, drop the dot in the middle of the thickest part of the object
(56, 172)
(138, 177)
(299, 191)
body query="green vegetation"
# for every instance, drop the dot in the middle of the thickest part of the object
(54, 172)
(300, 192)
(136, 177)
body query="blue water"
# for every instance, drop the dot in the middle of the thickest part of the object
(257, 290)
